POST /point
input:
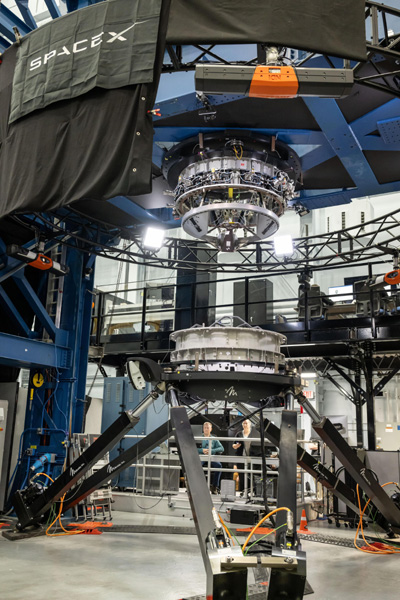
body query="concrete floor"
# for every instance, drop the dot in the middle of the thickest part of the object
(146, 567)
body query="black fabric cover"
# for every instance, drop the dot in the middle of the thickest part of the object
(250, 113)
(110, 45)
(334, 27)
(98, 145)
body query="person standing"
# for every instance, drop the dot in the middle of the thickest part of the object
(243, 448)
(215, 448)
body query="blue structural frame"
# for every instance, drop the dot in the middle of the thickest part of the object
(57, 407)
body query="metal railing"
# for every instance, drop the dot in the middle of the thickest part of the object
(188, 309)
(247, 464)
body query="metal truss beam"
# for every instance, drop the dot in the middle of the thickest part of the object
(26, 13)
(13, 265)
(40, 311)
(53, 9)
(28, 354)
(349, 380)
(354, 245)
(8, 20)
(4, 44)
(343, 141)
(13, 313)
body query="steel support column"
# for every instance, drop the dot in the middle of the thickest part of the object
(283, 584)
(370, 399)
(358, 404)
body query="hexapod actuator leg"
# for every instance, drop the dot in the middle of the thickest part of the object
(33, 502)
(353, 465)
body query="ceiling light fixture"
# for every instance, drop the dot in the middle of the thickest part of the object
(153, 238)
(283, 245)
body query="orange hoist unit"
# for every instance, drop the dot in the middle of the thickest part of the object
(37, 260)
(274, 82)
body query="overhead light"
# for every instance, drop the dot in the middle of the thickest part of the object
(308, 375)
(153, 238)
(283, 245)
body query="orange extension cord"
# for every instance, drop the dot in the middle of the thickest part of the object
(225, 527)
(261, 522)
(58, 517)
(387, 548)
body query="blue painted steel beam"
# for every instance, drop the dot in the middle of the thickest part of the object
(26, 13)
(133, 210)
(344, 142)
(8, 20)
(39, 310)
(367, 123)
(53, 9)
(323, 198)
(4, 44)
(76, 318)
(316, 156)
(27, 354)
(13, 312)
(374, 142)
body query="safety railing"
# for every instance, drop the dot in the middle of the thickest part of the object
(249, 466)
(188, 303)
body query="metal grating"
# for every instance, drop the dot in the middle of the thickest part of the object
(390, 130)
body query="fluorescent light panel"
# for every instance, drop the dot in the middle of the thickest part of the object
(308, 375)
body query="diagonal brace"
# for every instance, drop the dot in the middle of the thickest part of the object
(379, 386)
(340, 388)
(349, 380)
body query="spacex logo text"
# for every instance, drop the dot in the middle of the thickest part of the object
(81, 46)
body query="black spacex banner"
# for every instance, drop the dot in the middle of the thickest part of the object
(85, 84)
(109, 45)
(334, 27)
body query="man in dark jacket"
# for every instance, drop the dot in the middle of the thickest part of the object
(213, 447)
